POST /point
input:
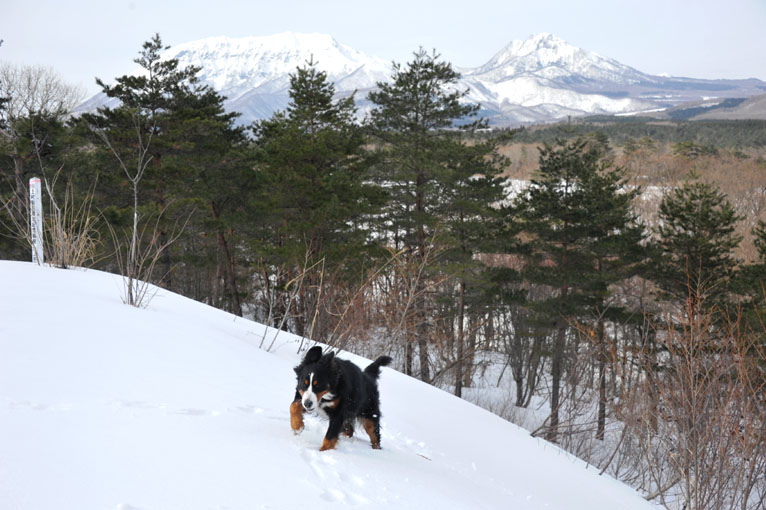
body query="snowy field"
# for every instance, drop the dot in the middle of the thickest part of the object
(105, 406)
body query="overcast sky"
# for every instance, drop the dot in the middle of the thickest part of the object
(84, 39)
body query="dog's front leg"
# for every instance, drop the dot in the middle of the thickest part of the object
(333, 431)
(296, 414)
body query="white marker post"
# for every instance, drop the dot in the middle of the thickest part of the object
(36, 220)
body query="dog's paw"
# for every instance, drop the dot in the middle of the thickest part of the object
(328, 444)
(296, 417)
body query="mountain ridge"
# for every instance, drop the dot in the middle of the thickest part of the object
(540, 79)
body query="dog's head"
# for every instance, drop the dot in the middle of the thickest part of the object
(317, 378)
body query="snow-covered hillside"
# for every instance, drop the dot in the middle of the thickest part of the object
(105, 406)
(545, 70)
(235, 66)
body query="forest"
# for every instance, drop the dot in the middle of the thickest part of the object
(609, 273)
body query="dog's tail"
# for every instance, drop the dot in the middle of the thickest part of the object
(373, 369)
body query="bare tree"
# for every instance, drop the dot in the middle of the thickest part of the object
(36, 90)
(30, 95)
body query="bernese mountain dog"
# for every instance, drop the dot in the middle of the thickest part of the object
(340, 391)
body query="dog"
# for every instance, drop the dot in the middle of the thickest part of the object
(340, 391)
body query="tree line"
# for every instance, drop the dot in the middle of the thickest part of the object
(398, 234)
(730, 134)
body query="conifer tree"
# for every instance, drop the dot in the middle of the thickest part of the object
(694, 261)
(314, 199)
(409, 119)
(164, 121)
(470, 218)
(583, 237)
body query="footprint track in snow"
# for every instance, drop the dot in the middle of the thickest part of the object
(333, 483)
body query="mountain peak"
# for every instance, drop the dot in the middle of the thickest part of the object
(237, 65)
(548, 57)
(536, 79)
(544, 40)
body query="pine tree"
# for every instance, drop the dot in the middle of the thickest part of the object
(583, 238)
(694, 263)
(470, 218)
(409, 117)
(314, 200)
(155, 138)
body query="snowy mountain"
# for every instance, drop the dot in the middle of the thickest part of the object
(546, 57)
(105, 406)
(544, 78)
(253, 72)
(540, 79)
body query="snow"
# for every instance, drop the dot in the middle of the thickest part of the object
(175, 406)
(235, 66)
(529, 91)
(547, 56)
(539, 79)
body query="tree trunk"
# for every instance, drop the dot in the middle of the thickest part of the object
(556, 362)
(470, 356)
(408, 355)
(601, 420)
(20, 207)
(420, 298)
(460, 340)
(228, 267)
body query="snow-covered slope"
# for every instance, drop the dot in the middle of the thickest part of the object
(548, 57)
(105, 406)
(253, 73)
(235, 66)
(553, 78)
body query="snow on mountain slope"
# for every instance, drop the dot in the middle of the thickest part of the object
(234, 66)
(105, 406)
(542, 78)
(529, 91)
(547, 56)
(553, 79)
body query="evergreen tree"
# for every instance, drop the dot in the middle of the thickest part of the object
(168, 135)
(210, 169)
(409, 119)
(583, 237)
(34, 102)
(470, 218)
(314, 199)
(694, 263)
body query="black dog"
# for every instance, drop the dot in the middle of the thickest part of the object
(342, 392)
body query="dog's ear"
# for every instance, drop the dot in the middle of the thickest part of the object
(313, 355)
(328, 359)
(334, 371)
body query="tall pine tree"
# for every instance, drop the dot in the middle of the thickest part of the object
(694, 262)
(314, 198)
(582, 238)
(409, 117)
